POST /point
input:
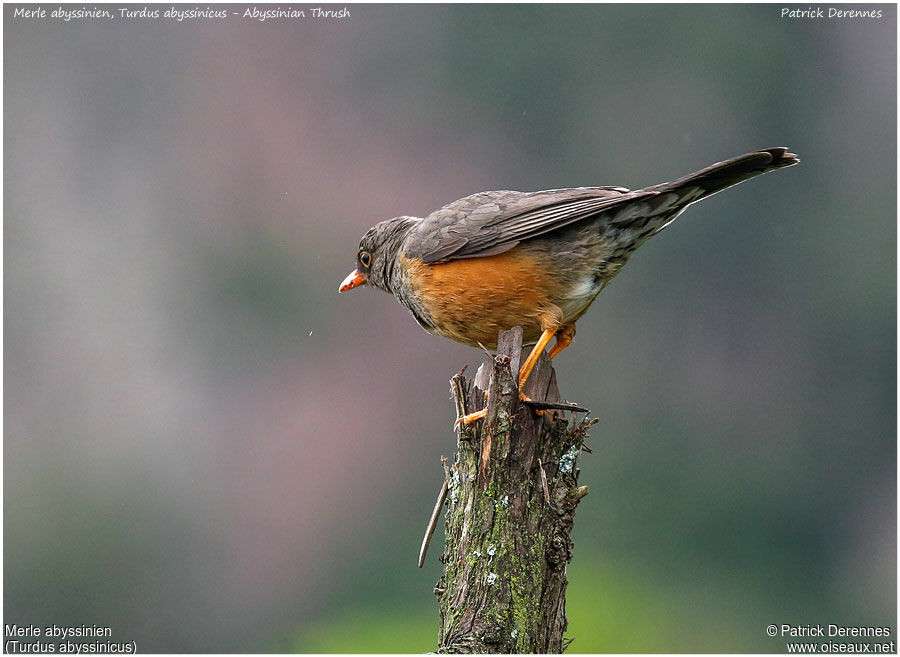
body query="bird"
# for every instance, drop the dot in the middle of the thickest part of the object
(494, 260)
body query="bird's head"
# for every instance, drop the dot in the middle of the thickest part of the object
(377, 255)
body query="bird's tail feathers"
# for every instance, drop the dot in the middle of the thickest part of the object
(721, 175)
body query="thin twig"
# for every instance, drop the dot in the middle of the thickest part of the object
(458, 388)
(556, 406)
(432, 522)
(485, 456)
(544, 481)
(489, 354)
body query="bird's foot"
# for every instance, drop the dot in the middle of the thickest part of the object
(470, 418)
(480, 415)
(525, 398)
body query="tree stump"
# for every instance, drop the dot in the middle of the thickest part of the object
(511, 498)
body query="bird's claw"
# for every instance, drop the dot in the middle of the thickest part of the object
(525, 398)
(470, 418)
(480, 415)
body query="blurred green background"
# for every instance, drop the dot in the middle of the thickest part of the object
(207, 449)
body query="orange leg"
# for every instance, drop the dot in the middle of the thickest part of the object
(471, 417)
(531, 361)
(563, 339)
(525, 370)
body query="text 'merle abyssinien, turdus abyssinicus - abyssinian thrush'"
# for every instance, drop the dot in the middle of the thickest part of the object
(494, 260)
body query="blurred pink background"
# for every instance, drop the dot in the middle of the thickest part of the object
(207, 449)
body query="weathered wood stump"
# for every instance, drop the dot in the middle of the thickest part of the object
(511, 498)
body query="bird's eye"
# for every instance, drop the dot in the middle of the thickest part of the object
(365, 259)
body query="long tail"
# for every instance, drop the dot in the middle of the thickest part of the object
(650, 210)
(717, 177)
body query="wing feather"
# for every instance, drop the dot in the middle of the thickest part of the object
(494, 222)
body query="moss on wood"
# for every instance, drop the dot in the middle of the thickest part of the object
(513, 490)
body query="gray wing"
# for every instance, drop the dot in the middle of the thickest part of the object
(493, 222)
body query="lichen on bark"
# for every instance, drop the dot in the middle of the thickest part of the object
(512, 493)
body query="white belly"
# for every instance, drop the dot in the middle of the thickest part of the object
(579, 297)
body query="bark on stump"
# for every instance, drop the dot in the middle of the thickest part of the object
(512, 493)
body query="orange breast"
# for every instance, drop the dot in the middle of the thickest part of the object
(471, 300)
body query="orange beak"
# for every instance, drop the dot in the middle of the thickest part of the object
(354, 279)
